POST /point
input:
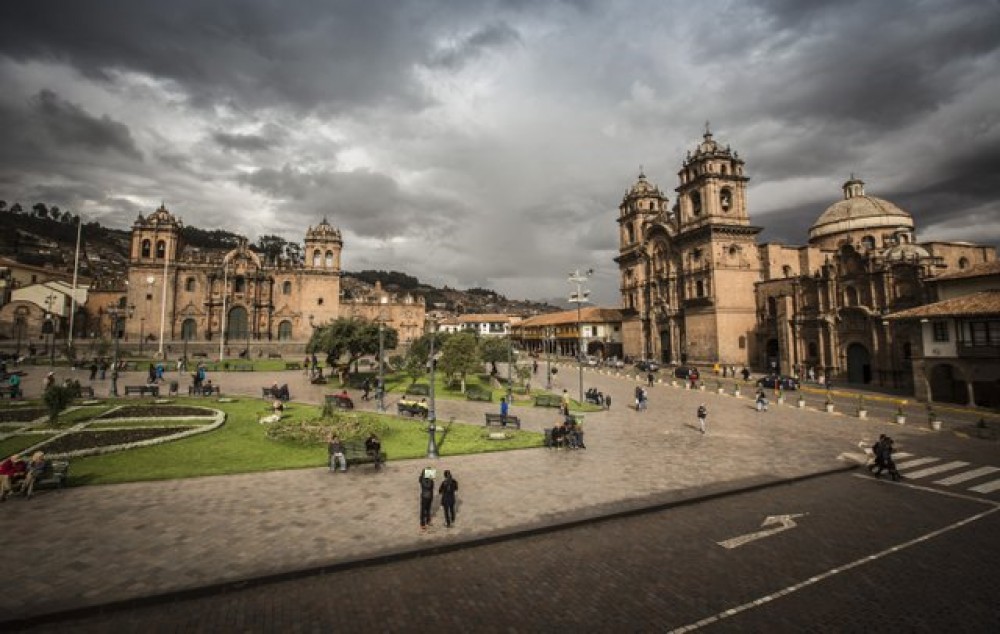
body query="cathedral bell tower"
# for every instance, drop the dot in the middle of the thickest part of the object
(719, 259)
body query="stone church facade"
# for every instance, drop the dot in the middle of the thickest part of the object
(697, 287)
(204, 296)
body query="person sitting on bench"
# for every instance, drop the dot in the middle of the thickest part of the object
(282, 393)
(36, 470)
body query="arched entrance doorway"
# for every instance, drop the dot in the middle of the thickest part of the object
(772, 363)
(947, 386)
(859, 364)
(236, 327)
(666, 355)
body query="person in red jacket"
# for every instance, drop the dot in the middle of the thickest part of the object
(11, 469)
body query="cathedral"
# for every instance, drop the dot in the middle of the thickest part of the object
(697, 286)
(182, 295)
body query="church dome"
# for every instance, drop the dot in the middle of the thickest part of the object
(643, 187)
(323, 231)
(857, 212)
(159, 217)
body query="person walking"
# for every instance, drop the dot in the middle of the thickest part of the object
(607, 401)
(335, 449)
(504, 408)
(93, 370)
(887, 461)
(426, 481)
(649, 379)
(877, 454)
(447, 490)
(702, 415)
(761, 401)
(565, 403)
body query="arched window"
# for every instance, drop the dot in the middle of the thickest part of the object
(695, 203)
(161, 249)
(317, 258)
(868, 242)
(772, 306)
(726, 199)
(189, 329)
(743, 342)
(285, 330)
(963, 263)
(631, 233)
(329, 260)
(146, 246)
(240, 284)
(189, 285)
(286, 288)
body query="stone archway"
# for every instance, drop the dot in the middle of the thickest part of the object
(947, 386)
(772, 363)
(236, 328)
(859, 364)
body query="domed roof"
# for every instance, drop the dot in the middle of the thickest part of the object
(906, 251)
(643, 187)
(159, 217)
(323, 231)
(858, 211)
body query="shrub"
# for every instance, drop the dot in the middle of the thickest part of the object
(347, 425)
(57, 398)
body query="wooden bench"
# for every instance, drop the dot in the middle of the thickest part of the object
(412, 408)
(87, 391)
(7, 391)
(354, 453)
(339, 400)
(293, 365)
(548, 400)
(55, 475)
(205, 390)
(273, 355)
(142, 390)
(478, 394)
(495, 420)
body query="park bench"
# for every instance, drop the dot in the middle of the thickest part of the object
(478, 394)
(205, 390)
(550, 443)
(495, 420)
(354, 453)
(6, 391)
(418, 390)
(273, 355)
(411, 408)
(87, 391)
(548, 400)
(293, 365)
(142, 390)
(339, 400)
(199, 355)
(55, 475)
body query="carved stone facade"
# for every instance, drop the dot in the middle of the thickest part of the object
(696, 287)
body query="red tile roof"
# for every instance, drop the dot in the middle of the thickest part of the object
(983, 303)
(979, 270)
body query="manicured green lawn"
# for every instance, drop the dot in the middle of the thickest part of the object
(240, 446)
(17, 444)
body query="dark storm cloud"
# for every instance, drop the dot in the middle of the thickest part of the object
(489, 37)
(243, 142)
(69, 125)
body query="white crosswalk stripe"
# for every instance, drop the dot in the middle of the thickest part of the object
(914, 463)
(968, 475)
(948, 466)
(988, 487)
(899, 455)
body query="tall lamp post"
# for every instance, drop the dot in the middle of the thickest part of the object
(380, 389)
(510, 362)
(548, 357)
(117, 313)
(578, 298)
(49, 328)
(142, 333)
(432, 449)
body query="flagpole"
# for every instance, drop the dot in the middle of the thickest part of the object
(76, 268)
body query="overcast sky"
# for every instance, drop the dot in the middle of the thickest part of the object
(477, 143)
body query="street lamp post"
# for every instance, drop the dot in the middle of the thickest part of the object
(578, 298)
(380, 389)
(117, 313)
(142, 333)
(510, 362)
(432, 449)
(548, 358)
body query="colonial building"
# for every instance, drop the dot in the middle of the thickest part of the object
(178, 294)
(697, 287)
(597, 330)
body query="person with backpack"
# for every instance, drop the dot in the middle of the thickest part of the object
(447, 490)
(426, 481)
(877, 454)
(887, 461)
(702, 415)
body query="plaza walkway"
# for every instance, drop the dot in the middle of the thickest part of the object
(97, 545)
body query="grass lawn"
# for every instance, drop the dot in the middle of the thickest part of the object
(240, 446)
(17, 444)
(149, 422)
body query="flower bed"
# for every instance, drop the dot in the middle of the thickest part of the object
(81, 440)
(157, 411)
(22, 415)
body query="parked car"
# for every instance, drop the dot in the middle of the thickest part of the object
(647, 365)
(687, 372)
(785, 382)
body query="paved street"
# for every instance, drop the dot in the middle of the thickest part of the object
(120, 543)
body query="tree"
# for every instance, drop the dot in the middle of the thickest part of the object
(41, 211)
(67, 218)
(16, 208)
(272, 247)
(495, 349)
(351, 337)
(3, 205)
(293, 251)
(55, 213)
(460, 356)
(417, 359)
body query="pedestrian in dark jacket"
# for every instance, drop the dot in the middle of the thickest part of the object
(887, 461)
(447, 490)
(426, 481)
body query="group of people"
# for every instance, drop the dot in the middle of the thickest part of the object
(18, 472)
(567, 434)
(882, 450)
(447, 491)
(337, 456)
(730, 371)
(597, 398)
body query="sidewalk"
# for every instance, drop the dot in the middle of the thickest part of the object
(95, 545)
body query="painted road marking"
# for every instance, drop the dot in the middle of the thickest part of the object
(786, 522)
(915, 463)
(989, 487)
(968, 475)
(948, 466)
(899, 455)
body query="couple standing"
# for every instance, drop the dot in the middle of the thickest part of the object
(447, 490)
